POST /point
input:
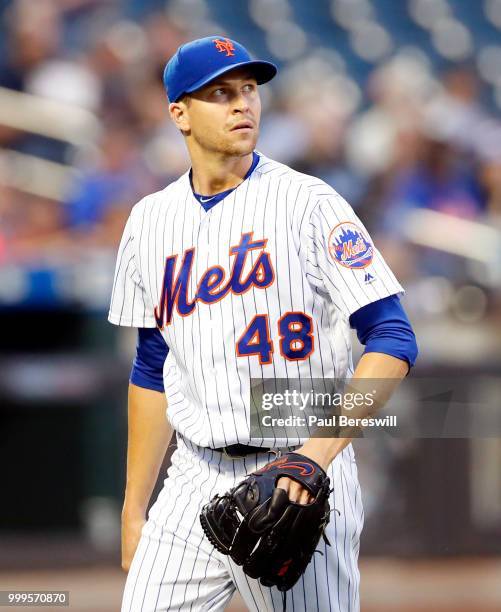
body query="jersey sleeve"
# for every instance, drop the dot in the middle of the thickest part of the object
(342, 260)
(130, 303)
(151, 353)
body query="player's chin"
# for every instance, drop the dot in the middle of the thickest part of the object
(244, 144)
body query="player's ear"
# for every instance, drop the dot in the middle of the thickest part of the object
(179, 115)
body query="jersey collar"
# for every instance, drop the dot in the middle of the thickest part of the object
(207, 202)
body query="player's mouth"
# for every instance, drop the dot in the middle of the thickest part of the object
(243, 126)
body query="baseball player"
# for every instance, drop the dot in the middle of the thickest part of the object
(242, 268)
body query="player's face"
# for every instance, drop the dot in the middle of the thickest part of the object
(223, 116)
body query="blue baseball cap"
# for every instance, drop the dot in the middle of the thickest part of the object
(198, 62)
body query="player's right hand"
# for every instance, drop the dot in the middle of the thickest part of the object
(131, 532)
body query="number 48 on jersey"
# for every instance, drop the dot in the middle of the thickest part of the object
(295, 332)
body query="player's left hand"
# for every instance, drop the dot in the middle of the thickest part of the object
(296, 492)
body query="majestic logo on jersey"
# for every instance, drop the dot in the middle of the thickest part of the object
(224, 46)
(349, 246)
(214, 285)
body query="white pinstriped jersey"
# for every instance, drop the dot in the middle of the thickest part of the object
(260, 286)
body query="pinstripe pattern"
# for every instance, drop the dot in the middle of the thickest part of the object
(175, 567)
(207, 385)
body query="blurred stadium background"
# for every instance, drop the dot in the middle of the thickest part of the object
(397, 104)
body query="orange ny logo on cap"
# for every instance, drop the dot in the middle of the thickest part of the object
(224, 46)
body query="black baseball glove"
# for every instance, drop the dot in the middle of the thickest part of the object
(262, 530)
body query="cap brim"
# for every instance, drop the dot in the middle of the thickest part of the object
(263, 72)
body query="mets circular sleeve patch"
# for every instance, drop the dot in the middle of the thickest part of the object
(349, 246)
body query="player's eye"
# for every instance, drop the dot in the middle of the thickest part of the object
(249, 87)
(220, 91)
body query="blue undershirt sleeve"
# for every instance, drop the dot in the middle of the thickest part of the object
(383, 327)
(151, 352)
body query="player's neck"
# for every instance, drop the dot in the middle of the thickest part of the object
(214, 174)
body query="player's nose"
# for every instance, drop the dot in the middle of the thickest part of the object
(240, 104)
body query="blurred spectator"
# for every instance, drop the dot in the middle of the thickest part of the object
(30, 227)
(455, 113)
(439, 181)
(102, 198)
(379, 136)
(490, 178)
(34, 31)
